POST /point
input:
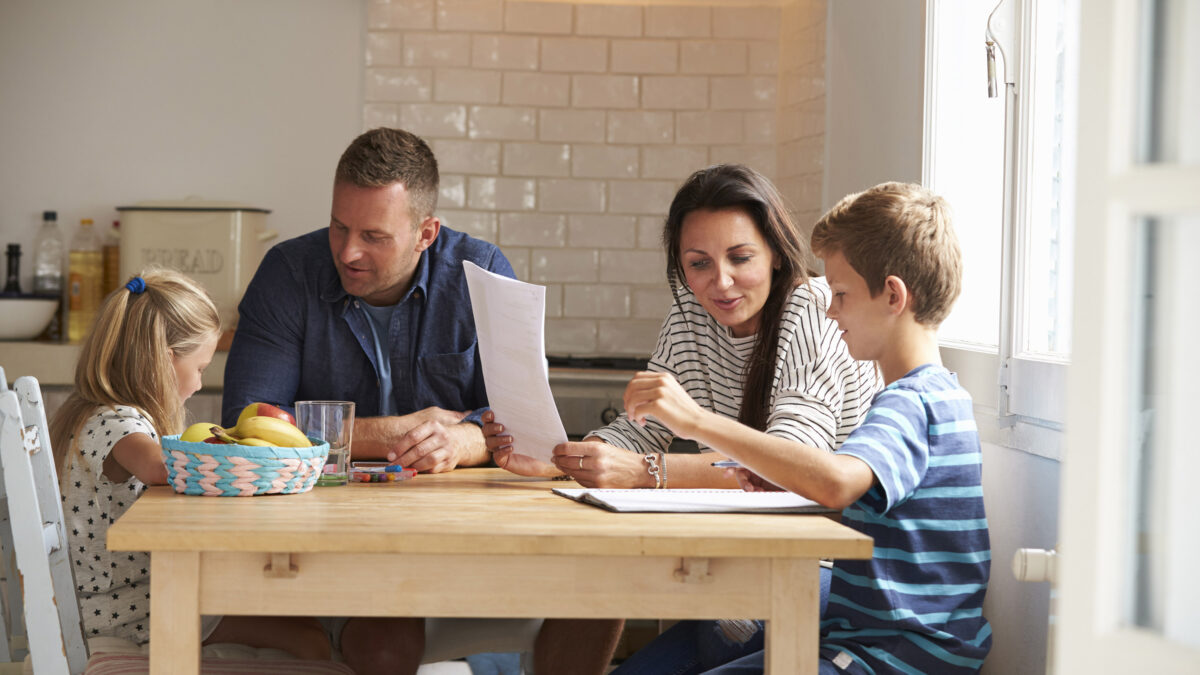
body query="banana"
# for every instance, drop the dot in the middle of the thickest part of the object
(272, 430)
(255, 442)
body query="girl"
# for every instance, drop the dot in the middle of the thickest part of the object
(746, 338)
(151, 342)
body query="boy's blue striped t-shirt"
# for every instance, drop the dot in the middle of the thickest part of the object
(917, 605)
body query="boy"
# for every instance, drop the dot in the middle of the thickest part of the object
(909, 476)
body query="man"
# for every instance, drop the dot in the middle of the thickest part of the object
(375, 310)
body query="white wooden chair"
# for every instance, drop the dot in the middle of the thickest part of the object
(13, 644)
(38, 538)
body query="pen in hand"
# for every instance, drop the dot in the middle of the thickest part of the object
(727, 464)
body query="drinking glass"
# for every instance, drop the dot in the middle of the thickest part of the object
(332, 422)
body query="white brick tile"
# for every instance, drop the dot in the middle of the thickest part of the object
(617, 20)
(506, 52)
(537, 159)
(383, 49)
(405, 15)
(761, 158)
(604, 161)
(751, 23)
(501, 194)
(380, 115)
(674, 92)
(533, 229)
(433, 120)
(571, 336)
(645, 56)
(712, 57)
(708, 127)
(763, 57)
(650, 231)
(743, 93)
(478, 224)
(519, 259)
(466, 85)
(452, 191)
(437, 49)
(678, 21)
(604, 91)
(574, 126)
(601, 231)
(596, 301)
(563, 265)
(539, 89)
(634, 337)
(651, 303)
(760, 126)
(674, 162)
(518, 124)
(480, 15)
(537, 17)
(554, 301)
(402, 85)
(632, 267)
(640, 127)
(571, 196)
(574, 54)
(640, 196)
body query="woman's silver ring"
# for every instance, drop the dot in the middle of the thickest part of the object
(581, 462)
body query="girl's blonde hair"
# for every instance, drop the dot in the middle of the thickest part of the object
(127, 357)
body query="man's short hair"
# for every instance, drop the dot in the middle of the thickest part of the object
(383, 156)
(899, 229)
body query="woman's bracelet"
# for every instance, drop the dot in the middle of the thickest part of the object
(662, 463)
(653, 468)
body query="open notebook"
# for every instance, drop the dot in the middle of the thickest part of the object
(693, 501)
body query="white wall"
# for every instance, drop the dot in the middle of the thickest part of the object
(106, 104)
(874, 94)
(875, 104)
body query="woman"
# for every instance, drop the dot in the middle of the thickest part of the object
(746, 338)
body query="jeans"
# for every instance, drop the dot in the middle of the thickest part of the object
(696, 647)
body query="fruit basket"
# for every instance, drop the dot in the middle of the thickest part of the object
(216, 470)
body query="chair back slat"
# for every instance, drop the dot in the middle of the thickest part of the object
(12, 626)
(52, 617)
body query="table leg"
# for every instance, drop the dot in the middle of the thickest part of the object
(794, 625)
(174, 613)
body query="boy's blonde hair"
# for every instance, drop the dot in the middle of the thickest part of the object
(897, 229)
(126, 359)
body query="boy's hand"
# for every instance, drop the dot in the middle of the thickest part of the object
(752, 482)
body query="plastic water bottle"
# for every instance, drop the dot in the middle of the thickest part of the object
(49, 258)
(86, 275)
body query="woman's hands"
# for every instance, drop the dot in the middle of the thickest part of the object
(501, 446)
(596, 464)
(658, 394)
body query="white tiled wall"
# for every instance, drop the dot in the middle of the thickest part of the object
(563, 130)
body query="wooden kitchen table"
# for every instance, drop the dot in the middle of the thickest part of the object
(473, 542)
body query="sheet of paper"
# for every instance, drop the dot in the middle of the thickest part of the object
(510, 321)
(693, 501)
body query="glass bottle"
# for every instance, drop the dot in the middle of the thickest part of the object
(112, 258)
(86, 275)
(12, 286)
(49, 251)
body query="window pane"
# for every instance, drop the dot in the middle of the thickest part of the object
(966, 164)
(1045, 312)
(1163, 589)
(1171, 91)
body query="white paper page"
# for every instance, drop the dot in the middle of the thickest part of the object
(510, 321)
(694, 501)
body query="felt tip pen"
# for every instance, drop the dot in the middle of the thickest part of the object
(727, 464)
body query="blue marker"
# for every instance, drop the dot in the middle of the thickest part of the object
(727, 464)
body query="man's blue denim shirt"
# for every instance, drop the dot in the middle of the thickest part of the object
(299, 337)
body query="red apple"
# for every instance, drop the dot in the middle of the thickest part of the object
(266, 410)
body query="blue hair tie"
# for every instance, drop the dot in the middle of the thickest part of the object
(136, 285)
